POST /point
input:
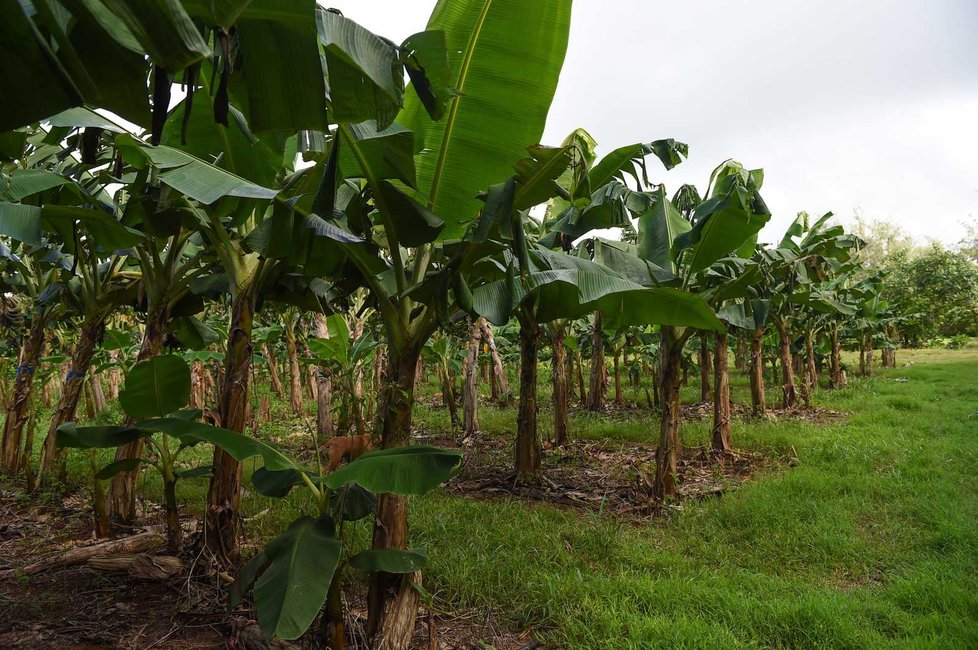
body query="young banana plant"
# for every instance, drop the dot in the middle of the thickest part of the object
(301, 569)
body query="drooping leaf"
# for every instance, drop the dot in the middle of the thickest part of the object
(219, 13)
(163, 29)
(669, 152)
(734, 213)
(232, 147)
(353, 501)
(605, 209)
(366, 80)
(383, 154)
(21, 222)
(536, 176)
(124, 465)
(414, 225)
(202, 471)
(82, 117)
(189, 175)
(275, 484)
(399, 470)
(388, 560)
(207, 184)
(246, 578)
(659, 306)
(71, 435)
(736, 315)
(630, 159)
(193, 333)
(107, 232)
(30, 71)
(292, 588)
(12, 145)
(426, 61)
(658, 228)
(496, 300)
(240, 446)
(112, 75)
(27, 182)
(278, 80)
(623, 258)
(759, 310)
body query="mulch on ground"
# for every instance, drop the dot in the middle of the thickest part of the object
(607, 477)
(78, 607)
(82, 608)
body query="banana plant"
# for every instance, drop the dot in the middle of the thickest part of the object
(169, 258)
(394, 202)
(726, 286)
(32, 272)
(872, 315)
(346, 358)
(747, 319)
(156, 390)
(441, 353)
(301, 569)
(678, 253)
(542, 286)
(792, 269)
(64, 199)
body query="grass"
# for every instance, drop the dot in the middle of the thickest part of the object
(871, 540)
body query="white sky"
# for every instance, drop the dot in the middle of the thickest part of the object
(848, 105)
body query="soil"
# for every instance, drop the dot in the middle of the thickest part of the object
(704, 411)
(610, 478)
(81, 608)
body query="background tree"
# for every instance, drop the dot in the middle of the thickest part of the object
(937, 289)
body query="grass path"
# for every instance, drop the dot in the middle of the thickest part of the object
(870, 541)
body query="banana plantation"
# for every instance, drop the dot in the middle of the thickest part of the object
(308, 340)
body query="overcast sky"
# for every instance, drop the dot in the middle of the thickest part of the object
(848, 105)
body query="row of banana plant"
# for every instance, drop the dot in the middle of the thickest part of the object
(413, 202)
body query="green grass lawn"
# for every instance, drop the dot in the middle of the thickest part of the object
(870, 540)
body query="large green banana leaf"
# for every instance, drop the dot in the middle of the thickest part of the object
(190, 175)
(156, 387)
(279, 82)
(506, 57)
(232, 147)
(659, 306)
(658, 228)
(410, 470)
(291, 590)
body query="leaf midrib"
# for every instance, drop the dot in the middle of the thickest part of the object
(456, 100)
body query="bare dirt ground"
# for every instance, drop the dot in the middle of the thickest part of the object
(80, 607)
(85, 608)
(613, 478)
